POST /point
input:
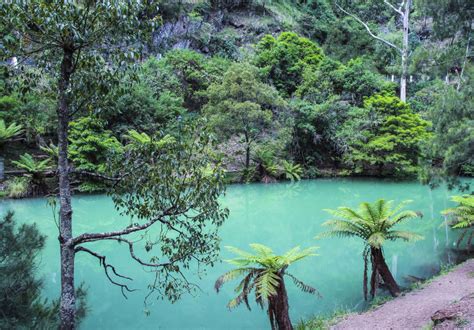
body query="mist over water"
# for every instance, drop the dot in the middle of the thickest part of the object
(280, 216)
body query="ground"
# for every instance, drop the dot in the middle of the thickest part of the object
(447, 302)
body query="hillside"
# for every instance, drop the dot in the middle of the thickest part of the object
(322, 93)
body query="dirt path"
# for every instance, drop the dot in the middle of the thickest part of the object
(449, 295)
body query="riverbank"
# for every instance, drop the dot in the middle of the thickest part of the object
(446, 302)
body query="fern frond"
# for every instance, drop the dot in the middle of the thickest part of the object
(296, 254)
(229, 276)
(403, 235)
(266, 284)
(261, 249)
(303, 286)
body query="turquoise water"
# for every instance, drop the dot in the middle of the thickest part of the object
(279, 215)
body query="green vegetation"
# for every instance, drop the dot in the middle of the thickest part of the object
(8, 132)
(322, 322)
(35, 170)
(152, 102)
(17, 187)
(289, 84)
(462, 217)
(390, 143)
(21, 303)
(242, 105)
(264, 273)
(373, 223)
(284, 59)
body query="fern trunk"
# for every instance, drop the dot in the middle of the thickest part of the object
(380, 266)
(278, 308)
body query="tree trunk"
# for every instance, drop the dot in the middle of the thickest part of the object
(247, 151)
(280, 308)
(406, 23)
(380, 267)
(68, 298)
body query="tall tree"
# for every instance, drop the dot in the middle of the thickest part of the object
(243, 105)
(85, 44)
(403, 11)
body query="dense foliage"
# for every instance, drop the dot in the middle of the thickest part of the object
(107, 90)
(299, 95)
(21, 302)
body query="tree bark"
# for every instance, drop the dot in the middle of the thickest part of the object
(405, 47)
(247, 151)
(280, 307)
(380, 267)
(68, 298)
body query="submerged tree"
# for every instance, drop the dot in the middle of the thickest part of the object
(264, 273)
(374, 223)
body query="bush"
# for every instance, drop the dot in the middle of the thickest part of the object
(18, 187)
(284, 59)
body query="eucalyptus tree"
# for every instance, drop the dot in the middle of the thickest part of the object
(374, 223)
(402, 10)
(85, 45)
(264, 273)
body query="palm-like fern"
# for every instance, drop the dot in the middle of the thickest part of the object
(374, 223)
(263, 273)
(462, 217)
(8, 132)
(52, 150)
(31, 165)
(292, 171)
(267, 165)
(141, 138)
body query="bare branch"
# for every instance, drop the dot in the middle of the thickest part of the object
(370, 31)
(398, 10)
(89, 237)
(135, 257)
(107, 267)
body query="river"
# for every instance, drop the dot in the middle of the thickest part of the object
(281, 216)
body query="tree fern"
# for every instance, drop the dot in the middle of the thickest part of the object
(292, 171)
(462, 217)
(374, 223)
(263, 273)
(31, 165)
(8, 132)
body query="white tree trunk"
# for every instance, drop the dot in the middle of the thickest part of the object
(405, 48)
